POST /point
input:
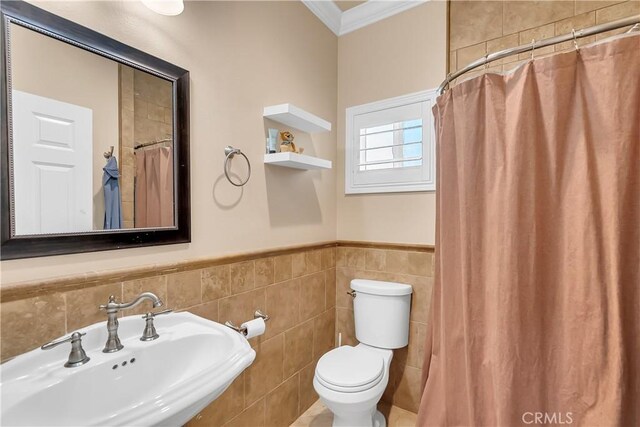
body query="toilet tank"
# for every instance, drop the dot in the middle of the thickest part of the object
(381, 311)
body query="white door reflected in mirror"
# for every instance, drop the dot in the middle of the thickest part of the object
(52, 154)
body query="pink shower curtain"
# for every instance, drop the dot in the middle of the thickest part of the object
(154, 188)
(536, 305)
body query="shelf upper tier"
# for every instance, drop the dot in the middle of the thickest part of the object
(290, 115)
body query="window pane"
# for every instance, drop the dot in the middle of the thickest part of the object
(379, 166)
(379, 139)
(377, 129)
(392, 145)
(412, 150)
(412, 123)
(412, 163)
(413, 135)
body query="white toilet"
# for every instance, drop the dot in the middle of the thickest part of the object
(351, 380)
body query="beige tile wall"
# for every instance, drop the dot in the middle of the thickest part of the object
(153, 121)
(152, 107)
(297, 290)
(304, 292)
(481, 27)
(145, 116)
(412, 267)
(126, 161)
(278, 387)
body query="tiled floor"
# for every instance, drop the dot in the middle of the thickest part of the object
(319, 416)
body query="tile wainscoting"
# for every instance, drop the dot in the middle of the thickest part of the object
(302, 288)
(414, 266)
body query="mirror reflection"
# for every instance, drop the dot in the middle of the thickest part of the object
(92, 145)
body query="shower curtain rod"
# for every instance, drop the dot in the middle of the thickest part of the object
(536, 44)
(146, 144)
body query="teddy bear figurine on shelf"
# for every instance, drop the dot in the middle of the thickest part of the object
(287, 143)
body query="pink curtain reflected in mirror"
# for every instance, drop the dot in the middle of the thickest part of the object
(154, 188)
(536, 304)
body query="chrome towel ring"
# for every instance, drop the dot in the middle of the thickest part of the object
(230, 152)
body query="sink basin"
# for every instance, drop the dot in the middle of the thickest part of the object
(162, 382)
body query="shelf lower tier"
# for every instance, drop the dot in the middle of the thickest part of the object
(296, 161)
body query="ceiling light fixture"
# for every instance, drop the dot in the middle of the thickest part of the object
(165, 7)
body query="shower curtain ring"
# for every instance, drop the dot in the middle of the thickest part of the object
(575, 39)
(533, 47)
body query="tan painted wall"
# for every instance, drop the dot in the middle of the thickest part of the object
(399, 55)
(242, 56)
(73, 81)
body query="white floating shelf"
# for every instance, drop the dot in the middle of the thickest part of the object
(296, 161)
(290, 115)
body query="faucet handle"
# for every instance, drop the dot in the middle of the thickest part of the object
(76, 336)
(112, 300)
(151, 315)
(149, 333)
(77, 356)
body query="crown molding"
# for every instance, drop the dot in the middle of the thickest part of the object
(326, 11)
(373, 11)
(357, 17)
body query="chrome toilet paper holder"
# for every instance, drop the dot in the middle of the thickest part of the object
(243, 331)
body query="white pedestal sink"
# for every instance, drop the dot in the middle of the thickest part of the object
(162, 382)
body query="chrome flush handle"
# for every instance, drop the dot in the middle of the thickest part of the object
(352, 293)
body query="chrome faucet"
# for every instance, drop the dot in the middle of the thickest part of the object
(112, 308)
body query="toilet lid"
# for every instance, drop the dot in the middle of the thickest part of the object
(350, 367)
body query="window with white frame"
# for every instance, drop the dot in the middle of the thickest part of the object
(390, 145)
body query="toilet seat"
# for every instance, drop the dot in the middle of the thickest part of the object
(350, 369)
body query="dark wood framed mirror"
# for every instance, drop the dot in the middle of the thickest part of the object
(94, 140)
